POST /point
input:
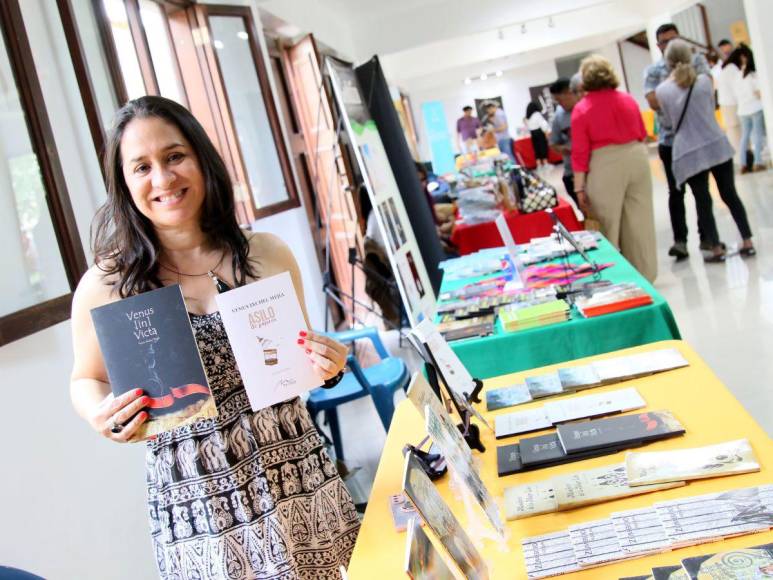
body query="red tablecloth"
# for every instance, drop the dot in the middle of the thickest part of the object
(524, 153)
(524, 227)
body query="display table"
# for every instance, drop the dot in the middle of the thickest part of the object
(508, 352)
(524, 153)
(709, 413)
(524, 227)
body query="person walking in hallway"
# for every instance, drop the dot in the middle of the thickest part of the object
(726, 81)
(468, 129)
(700, 147)
(564, 93)
(538, 128)
(611, 166)
(654, 75)
(747, 90)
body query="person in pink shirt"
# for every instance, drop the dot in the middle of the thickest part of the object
(611, 168)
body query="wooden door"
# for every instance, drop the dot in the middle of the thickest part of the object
(339, 230)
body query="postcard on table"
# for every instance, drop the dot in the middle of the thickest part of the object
(262, 321)
(448, 364)
(423, 560)
(439, 518)
(147, 343)
(507, 397)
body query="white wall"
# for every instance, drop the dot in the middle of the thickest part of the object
(636, 59)
(512, 86)
(73, 504)
(722, 13)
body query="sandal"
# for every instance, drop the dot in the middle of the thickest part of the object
(747, 252)
(715, 258)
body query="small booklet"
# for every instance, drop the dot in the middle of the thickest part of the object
(596, 543)
(422, 560)
(746, 563)
(544, 385)
(730, 458)
(549, 555)
(594, 405)
(531, 499)
(446, 361)
(579, 377)
(147, 343)
(507, 397)
(509, 459)
(521, 422)
(640, 532)
(262, 321)
(402, 511)
(618, 431)
(439, 518)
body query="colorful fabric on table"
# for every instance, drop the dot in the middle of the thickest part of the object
(542, 276)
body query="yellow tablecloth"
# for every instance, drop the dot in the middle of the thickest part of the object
(694, 394)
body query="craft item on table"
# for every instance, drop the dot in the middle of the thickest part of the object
(507, 397)
(573, 490)
(640, 531)
(420, 393)
(521, 422)
(147, 342)
(594, 405)
(729, 458)
(638, 428)
(549, 555)
(471, 327)
(669, 573)
(715, 516)
(402, 511)
(614, 298)
(579, 377)
(544, 385)
(422, 560)
(509, 456)
(459, 456)
(614, 370)
(521, 316)
(551, 274)
(746, 563)
(596, 543)
(439, 518)
(477, 205)
(471, 266)
(474, 289)
(551, 248)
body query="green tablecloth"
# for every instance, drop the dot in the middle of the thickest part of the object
(509, 352)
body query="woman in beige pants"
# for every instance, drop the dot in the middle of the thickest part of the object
(611, 167)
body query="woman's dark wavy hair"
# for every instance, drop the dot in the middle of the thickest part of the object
(125, 242)
(735, 58)
(531, 108)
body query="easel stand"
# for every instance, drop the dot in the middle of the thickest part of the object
(433, 464)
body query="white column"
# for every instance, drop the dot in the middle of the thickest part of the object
(759, 15)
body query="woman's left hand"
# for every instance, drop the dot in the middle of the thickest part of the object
(327, 355)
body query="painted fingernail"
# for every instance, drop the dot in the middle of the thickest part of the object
(153, 437)
(138, 392)
(308, 351)
(144, 415)
(144, 400)
(303, 333)
(301, 341)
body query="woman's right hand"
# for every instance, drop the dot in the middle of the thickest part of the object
(583, 201)
(125, 410)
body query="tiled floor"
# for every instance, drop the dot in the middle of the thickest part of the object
(725, 311)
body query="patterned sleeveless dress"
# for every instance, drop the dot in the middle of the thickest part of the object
(245, 495)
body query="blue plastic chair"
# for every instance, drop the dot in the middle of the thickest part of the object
(380, 381)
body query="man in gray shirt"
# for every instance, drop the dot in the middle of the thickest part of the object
(654, 75)
(566, 96)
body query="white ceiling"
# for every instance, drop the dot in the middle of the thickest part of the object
(422, 43)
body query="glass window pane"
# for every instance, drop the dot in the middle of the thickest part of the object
(124, 47)
(161, 51)
(231, 41)
(31, 262)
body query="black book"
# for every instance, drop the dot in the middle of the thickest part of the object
(743, 562)
(509, 458)
(619, 431)
(664, 572)
(541, 449)
(147, 343)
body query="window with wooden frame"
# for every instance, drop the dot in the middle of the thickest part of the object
(209, 59)
(42, 254)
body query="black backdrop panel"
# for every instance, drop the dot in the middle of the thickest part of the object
(379, 102)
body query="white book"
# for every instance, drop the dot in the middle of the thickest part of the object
(521, 422)
(596, 543)
(262, 321)
(531, 499)
(594, 405)
(640, 532)
(549, 555)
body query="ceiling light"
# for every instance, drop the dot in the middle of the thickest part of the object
(483, 77)
(243, 35)
(523, 28)
(499, 73)
(468, 81)
(219, 44)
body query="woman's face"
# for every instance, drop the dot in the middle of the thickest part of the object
(162, 173)
(744, 60)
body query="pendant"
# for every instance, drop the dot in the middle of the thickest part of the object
(219, 284)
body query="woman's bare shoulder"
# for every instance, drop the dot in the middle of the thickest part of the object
(97, 287)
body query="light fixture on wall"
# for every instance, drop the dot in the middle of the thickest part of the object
(483, 77)
(499, 73)
(219, 44)
(243, 35)
(468, 81)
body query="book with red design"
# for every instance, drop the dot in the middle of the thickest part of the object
(147, 343)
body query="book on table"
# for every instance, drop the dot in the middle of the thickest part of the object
(614, 298)
(751, 563)
(507, 397)
(147, 343)
(262, 320)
